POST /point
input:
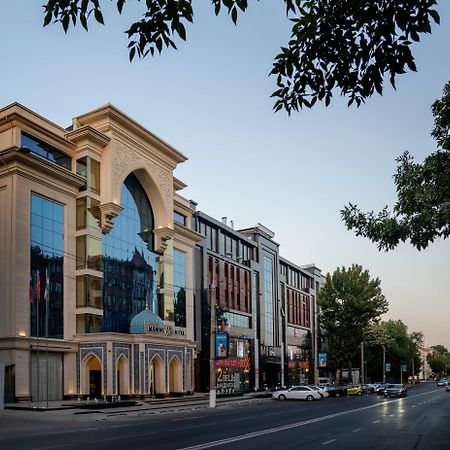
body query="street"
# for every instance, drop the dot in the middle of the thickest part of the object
(419, 421)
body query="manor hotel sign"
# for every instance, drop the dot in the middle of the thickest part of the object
(164, 330)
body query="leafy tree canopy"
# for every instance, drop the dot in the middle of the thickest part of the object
(350, 303)
(345, 45)
(439, 349)
(439, 361)
(422, 211)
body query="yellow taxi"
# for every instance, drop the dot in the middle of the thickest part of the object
(354, 389)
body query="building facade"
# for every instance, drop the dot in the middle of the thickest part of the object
(96, 285)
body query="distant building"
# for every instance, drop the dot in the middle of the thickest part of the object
(425, 369)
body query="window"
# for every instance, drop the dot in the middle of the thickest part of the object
(268, 301)
(179, 288)
(88, 323)
(89, 291)
(89, 252)
(46, 151)
(129, 263)
(84, 217)
(90, 169)
(46, 268)
(179, 218)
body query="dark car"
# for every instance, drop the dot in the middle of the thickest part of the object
(381, 388)
(396, 390)
(335, 390)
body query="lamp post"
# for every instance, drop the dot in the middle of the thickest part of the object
(384, 363)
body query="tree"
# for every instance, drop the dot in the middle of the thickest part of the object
(422, 211)
(335, 45)
(439, 349)
(350, 302)
(402, 347)
(439, 362)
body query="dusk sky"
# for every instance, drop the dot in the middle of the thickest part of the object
(211, 100)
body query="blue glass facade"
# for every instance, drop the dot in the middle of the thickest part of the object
(129, 264)
(46, 268)
(179, 289)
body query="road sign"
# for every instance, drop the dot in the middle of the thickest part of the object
(388, 367)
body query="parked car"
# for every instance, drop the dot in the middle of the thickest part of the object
(370, 388)
(396, 390)
(354, 389)
(297, 393)
(442, 382)
(322, 391)
(381, 388)
(336, 390)
(447, 388)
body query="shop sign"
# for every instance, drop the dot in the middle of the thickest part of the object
(165, 330)
(322, 360)
(292, 364)
(221, 345)
(233, 363)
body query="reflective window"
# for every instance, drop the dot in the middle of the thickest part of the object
(89, 291)
(46, 268)
(129, 264)
(236, 320)
(46, 151)
(179, 218)
(90, 169)
(84, 218)
(179, 289)
(268, 301)
(89, 252)
(88, 323)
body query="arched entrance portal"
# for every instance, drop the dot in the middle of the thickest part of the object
(175, 375)
(91, 378)
(156, 376)
(122, 376)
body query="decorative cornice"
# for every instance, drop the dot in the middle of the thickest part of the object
(162, 236)
(105, 214)
(178, 185)
(188, 234)
(87, 133)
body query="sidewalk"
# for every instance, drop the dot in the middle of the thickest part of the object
(194, 401)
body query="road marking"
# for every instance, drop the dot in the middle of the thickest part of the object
(402, 410)
(53, 446)
(413, 406)
(376, 421)
(121, 437)
(273, 414)
(238, 420)
(356, 430)
(290, 426)
(328, 442)
(187, 418)
(391, 415)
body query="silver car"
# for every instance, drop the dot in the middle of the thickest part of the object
(297, 393)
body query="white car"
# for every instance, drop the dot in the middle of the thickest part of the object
(322, 390)
(297, 393)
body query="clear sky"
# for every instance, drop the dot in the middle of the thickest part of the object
(210, 99)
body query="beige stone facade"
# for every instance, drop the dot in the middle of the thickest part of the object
(159, 360)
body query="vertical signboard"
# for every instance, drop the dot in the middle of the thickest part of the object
(322, 360)
(221, 345)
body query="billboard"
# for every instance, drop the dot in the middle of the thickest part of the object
(221, 345)
(322, 360)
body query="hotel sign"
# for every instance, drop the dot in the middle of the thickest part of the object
(158, 329)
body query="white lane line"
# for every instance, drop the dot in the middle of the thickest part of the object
(391, 415)
(254, 434)
(238, 420)
(376, 421)
(356, 430)
(273, 414)
(328, 442)
(402, 410)
(130, 436)
(187, 418)
(52, 446)
(413, 406)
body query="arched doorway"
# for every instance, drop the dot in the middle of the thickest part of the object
(122, 376)
(156, 376)
(175, 375)
(91, 377)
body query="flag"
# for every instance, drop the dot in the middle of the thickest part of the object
(47, 287)
(38, 285)
(31, 288)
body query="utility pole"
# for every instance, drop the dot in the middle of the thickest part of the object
(362, 362)
(212, 342)
(384, 363)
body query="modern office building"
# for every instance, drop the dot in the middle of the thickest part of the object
(96, 257)
(264, 308)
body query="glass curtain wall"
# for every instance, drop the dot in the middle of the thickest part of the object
(179, 289)
(129, 264)
(268, 301)
(46, 268)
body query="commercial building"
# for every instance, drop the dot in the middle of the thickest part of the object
(96, 279)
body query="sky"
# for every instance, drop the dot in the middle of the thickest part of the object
(210, 99)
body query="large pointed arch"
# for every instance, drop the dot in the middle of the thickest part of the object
(91, 376)
(123, 370)
(175, 375)
(156, 377)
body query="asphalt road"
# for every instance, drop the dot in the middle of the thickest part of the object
(420, 421)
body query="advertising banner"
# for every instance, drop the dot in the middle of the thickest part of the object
(322, 360)
(221, 345)
(388, 367)
(240, 349)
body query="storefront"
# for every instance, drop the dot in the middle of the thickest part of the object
(233, 365)
(298, 365)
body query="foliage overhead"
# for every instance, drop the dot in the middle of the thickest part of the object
(344, 45)
(439, 360)
(422, 211)
(350, 302)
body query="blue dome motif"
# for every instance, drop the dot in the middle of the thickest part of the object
(137, 324)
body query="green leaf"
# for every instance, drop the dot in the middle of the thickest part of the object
(98, 16)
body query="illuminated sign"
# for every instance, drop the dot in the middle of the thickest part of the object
(221, 345)
(165, 330)
(322, 360)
